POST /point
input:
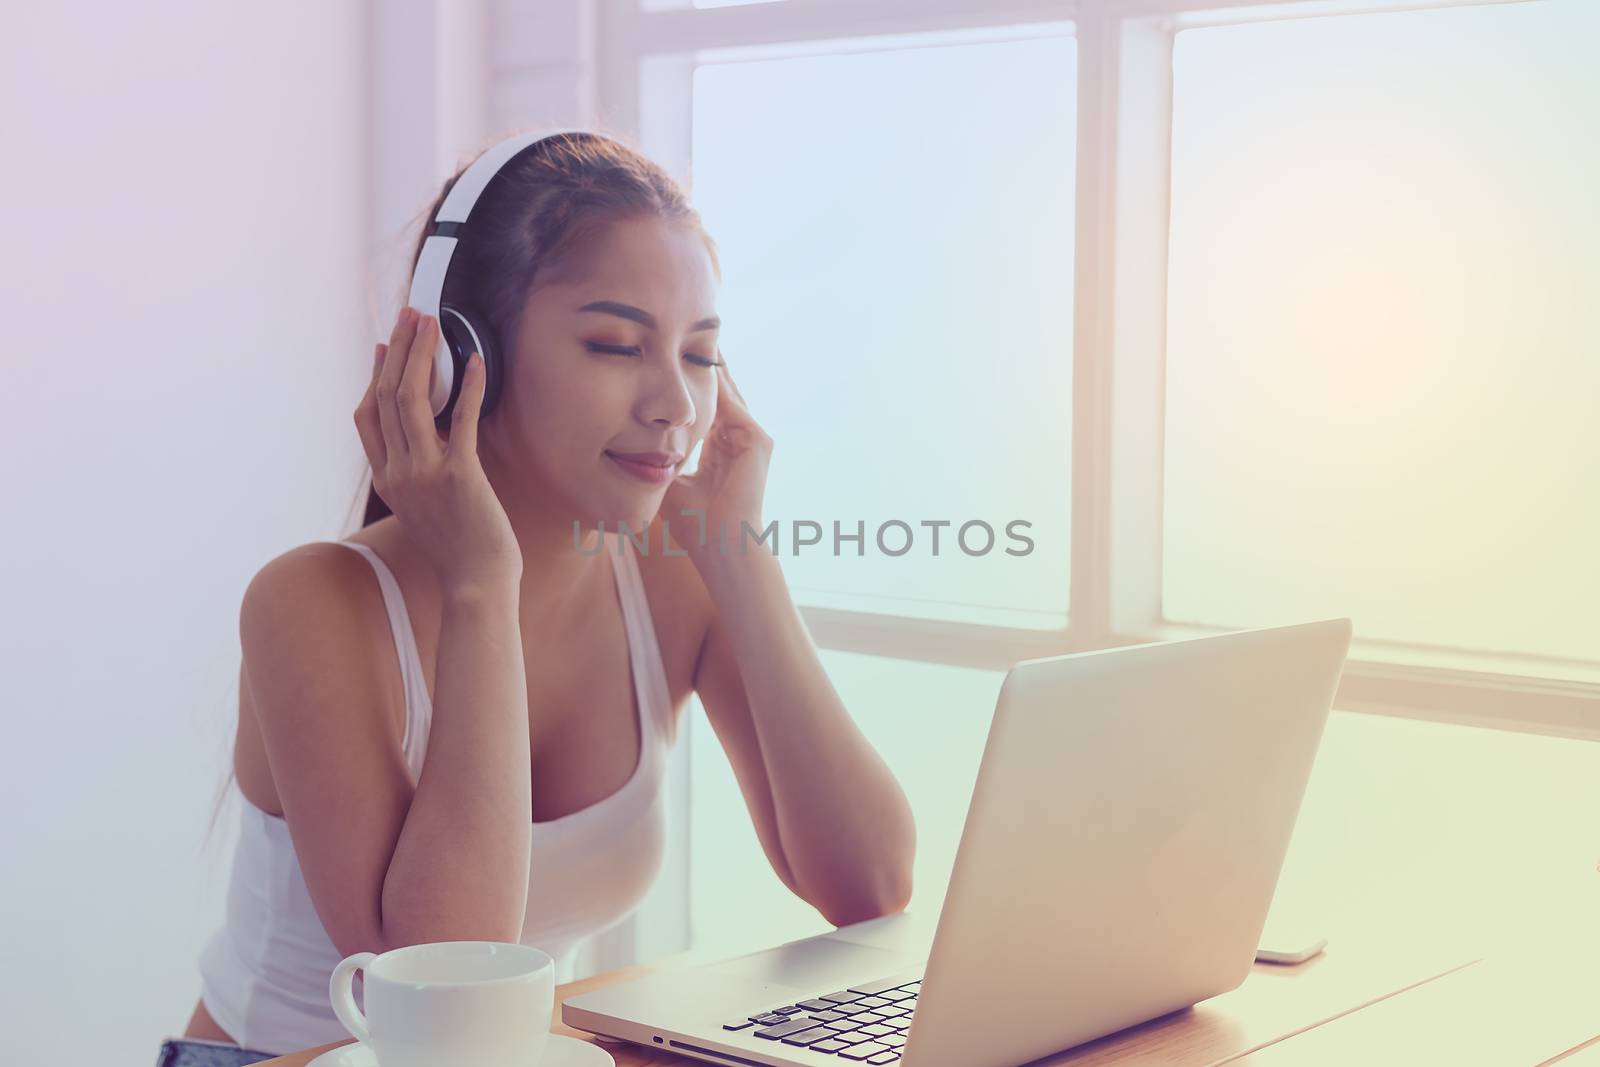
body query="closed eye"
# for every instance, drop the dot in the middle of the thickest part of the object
(634, 350)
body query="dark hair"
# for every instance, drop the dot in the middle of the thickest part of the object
(539, 208)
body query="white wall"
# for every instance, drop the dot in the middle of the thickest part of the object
(188, 330)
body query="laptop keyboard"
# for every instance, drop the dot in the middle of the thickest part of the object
(867, 1023)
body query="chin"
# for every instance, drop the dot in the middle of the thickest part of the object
(637, 510)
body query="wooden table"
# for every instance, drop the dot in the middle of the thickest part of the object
(1371, 999)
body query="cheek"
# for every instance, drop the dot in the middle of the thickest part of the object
(572, 400)
(552, 418)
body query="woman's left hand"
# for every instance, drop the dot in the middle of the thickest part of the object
(727, 486)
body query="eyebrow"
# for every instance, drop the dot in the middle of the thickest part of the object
(644, 318)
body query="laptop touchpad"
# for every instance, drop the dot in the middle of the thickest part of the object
(817, 965)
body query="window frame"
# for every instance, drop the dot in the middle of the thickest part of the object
(644, 62)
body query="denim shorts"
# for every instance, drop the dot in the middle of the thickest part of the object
(187, 1052)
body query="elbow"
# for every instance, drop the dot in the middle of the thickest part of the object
(886, 892)
(408, 914)
(403, 931)
(403, 935)
(876, 889)
(420, 917)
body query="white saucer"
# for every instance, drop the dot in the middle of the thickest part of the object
(560, 1051)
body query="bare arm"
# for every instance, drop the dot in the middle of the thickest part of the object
(460, 867)
(830, 815)
(387, 864)
(832, 819)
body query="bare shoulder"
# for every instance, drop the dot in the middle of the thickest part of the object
(315, 590)
(317, 663)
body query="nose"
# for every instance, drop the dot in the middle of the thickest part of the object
(665, 401)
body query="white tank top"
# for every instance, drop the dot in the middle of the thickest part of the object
(264, 974)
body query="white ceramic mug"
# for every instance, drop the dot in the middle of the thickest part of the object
(482, 1003)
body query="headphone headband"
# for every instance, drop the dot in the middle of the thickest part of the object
(433, 265)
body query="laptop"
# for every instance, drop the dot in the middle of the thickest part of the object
(1126, 831)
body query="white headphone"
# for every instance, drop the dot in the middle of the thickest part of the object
(462, 330)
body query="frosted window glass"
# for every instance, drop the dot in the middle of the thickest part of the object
(1384, 337)
(895, 230)
(1369, 844)
(928, 721)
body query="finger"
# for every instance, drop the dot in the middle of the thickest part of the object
(378, 352)
(366, 417)
(469, 404)
(394, 437)
(416, 414)
(371, 434)
(727, 376)
(731, 390)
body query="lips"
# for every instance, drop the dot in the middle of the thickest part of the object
(650, 459)
(652, 468)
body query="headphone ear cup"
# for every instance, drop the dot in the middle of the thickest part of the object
(466, 332)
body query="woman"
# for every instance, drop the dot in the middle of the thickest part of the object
(452, 724)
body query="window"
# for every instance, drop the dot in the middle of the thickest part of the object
(1383, 346)
(1449, 825)
(1286, 318)
(1259, 314)
(927, 720)
(895, 229)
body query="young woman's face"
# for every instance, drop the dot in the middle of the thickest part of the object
(612, 359)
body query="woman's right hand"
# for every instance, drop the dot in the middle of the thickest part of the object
(435, 486)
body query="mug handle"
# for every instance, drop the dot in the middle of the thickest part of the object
(342, 994)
